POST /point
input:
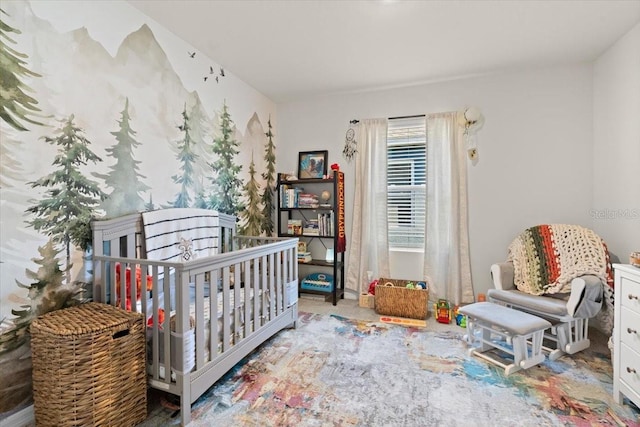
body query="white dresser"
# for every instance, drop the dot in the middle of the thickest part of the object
(626, 334)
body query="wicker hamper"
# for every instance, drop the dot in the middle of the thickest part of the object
(394, 299)
(89, 367)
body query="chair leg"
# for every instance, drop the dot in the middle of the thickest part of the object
(573, 336)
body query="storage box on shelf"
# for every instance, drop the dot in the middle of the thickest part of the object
(393, 298)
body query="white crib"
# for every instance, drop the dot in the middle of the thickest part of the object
(218, 308)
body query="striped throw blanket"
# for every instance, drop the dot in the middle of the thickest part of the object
(180, 234)
(546, 258)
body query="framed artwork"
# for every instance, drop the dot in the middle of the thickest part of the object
(312, 164)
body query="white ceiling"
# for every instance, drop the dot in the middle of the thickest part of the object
(289, 50)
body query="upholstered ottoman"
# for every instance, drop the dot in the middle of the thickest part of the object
(521, 334)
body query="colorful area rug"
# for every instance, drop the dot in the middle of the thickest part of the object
(333, 371)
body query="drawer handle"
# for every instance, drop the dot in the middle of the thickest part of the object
(631, 370)
(632, 331)
(631, 296)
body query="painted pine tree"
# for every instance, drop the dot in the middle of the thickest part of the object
(251, 216)
(124, 178)
(226, 183)
(201, 200)
(47, 292)
(16, 106)
(267, 225)
(149, 206)
(64, 212)
(187, 158)
(200, 143)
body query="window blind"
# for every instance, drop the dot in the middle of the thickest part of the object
(406, 177)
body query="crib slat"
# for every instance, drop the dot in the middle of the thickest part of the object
(155, 351)
(199, 306)
(248, 286)
(226, 314)
(237, 313)
(166, 325)
(293, 263)
(264, 309)
(256, 295)
(272, 293)
(214, 294)
(143, 291)
(279, 298)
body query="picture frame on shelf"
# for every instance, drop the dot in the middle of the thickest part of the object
(302, 246)
(312, 164)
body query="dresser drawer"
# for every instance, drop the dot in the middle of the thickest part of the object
(630, 294)
(630, 329)
(630, 368)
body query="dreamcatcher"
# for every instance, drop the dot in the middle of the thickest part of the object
(350, 143)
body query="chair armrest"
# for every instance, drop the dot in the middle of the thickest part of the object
(585, 300)
(502, 274)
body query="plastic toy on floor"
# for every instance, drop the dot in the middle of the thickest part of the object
(461, 319)
(443, 311)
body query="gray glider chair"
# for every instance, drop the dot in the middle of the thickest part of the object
(568, 312)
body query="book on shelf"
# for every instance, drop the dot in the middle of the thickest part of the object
(304, 257)
(311, 228)
(307, 200)
(325, 224)
(302, 247)
(289, 196)
(294, 227)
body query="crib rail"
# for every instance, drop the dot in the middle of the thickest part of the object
(256, 283)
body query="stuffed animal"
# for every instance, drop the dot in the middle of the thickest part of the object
(372, 287)
(160, 319)
(128, 284)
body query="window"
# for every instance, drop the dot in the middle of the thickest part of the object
(406, 174)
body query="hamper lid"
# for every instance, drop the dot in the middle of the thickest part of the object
(82, 319)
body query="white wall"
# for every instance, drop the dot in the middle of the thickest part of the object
(616, 158)
(535, 149)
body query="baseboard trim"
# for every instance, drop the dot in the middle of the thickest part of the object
(22, 418)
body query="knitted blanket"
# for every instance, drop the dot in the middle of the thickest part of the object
(546, 258)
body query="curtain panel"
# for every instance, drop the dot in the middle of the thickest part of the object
(446, 253)
(369, 248)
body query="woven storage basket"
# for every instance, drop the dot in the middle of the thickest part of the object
(89, 367)
(394, 299)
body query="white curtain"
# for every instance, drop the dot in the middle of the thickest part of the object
(369, 248)
(446, 254)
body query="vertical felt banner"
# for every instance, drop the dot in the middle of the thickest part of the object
(342, 235)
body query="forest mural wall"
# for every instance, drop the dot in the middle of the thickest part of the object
(104, 112)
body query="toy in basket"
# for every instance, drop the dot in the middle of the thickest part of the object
(402, 298)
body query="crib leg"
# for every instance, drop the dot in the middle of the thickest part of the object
(185, 409)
